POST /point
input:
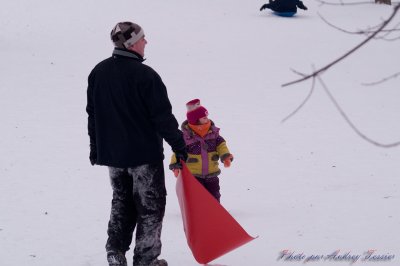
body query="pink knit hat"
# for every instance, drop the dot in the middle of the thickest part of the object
(195, 111)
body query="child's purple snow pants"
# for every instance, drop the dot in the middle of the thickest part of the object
(212, 185)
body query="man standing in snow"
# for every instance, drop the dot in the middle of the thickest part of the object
(129, 115)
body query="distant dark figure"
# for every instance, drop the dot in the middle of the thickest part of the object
(286, 8)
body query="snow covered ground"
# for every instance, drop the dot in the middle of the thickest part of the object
(309, 185)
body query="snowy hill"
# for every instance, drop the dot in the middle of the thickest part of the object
(309, 185)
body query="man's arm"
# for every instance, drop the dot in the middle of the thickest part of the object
(91, 121)
(160, 110)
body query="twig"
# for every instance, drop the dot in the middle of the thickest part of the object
(317, 72)
(367, 32)
(298, 72)
(302, 104)
(364, 32)
(347, 119)
(382, 80)
(343, 3)
(340, 29)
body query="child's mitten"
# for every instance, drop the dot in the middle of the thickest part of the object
(228, 160)
(176, 172)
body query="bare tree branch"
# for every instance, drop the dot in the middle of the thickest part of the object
(378, 32)
(387, 32)
(298, 73)
(341, 3)
(366, 32)
(340, 29)
(347, 119)
(382, 80)
(302, 104)
(319, 71)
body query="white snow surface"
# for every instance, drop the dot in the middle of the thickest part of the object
(309, 185)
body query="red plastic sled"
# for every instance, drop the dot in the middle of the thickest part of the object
(210, 230)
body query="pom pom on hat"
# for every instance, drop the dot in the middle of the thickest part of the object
(195, 111)
(193, 104)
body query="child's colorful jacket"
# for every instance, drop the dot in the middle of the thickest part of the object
(204, 152)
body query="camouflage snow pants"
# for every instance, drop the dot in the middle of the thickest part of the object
(139, 198)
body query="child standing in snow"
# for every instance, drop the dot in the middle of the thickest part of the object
(204, 147)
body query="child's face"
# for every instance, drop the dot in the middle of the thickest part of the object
(203, 120)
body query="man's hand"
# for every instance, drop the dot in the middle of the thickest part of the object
(181, 155)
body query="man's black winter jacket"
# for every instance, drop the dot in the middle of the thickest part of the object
(129, 113)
